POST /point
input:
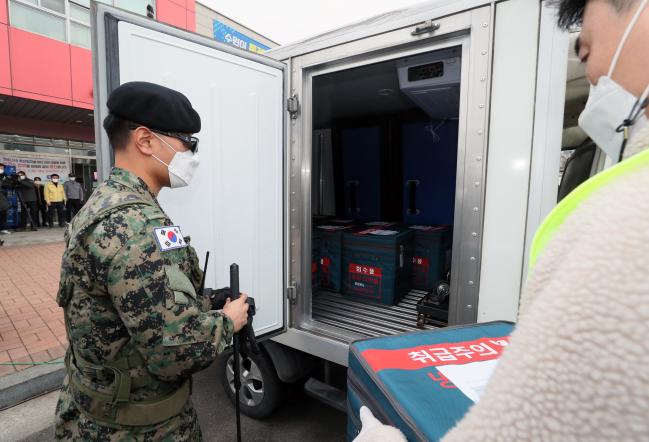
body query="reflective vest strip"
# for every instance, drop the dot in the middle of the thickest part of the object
(569, 204)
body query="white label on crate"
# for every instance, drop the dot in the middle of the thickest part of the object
(384, 232)
(332, 227)
(426, 228)
(471, 378)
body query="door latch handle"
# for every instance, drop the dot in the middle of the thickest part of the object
(427, 27)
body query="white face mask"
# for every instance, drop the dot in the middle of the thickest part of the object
(182, 166)
(55, 180)
(610, 105)
(2, 171)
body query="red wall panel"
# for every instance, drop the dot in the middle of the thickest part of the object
(81, 63)
(5, 70)
(179, 3)
(189, 4)
(191, 20)
(4, 16)
(169, 12)
(40, 66)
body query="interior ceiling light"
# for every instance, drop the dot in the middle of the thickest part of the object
(78, 121)
(385, 92)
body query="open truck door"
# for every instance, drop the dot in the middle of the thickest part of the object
(235, 205)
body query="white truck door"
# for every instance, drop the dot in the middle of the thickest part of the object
(234, 207)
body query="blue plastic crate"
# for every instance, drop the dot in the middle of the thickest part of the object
(375, 264)
(430, 255)
(401, 378)
(429, 171)
(330, 256)
(361, 161)
(315, 258)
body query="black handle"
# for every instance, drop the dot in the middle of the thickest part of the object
(207, 259)
(234, 287)
(234, 281)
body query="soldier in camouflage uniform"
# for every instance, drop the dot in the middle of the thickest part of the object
(137, 323)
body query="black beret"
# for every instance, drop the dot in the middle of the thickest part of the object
(154, 106)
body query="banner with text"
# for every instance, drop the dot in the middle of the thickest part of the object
(34, 164)
(231, 36)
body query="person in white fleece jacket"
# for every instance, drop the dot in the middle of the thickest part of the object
(577, 368)
(578, 364)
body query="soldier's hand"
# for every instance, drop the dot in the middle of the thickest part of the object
(237, 311)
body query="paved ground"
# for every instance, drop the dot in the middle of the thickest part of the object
(31, 323)
(44, 235)
(300, 419)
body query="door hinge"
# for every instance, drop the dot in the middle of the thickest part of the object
(293, 106)
(291, 294)
(427, 27)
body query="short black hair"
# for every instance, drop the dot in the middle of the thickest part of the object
(117, 130)
(2, 164)
(37, 178)
(54, 175)
(571, 12)
(23, 172)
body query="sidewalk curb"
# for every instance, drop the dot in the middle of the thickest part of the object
(19, 387)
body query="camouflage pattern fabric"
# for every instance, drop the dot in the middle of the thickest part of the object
(122, 294)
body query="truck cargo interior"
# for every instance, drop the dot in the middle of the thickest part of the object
(383, 182)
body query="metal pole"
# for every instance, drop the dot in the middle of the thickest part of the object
(234, 287)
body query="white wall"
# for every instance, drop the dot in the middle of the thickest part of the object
(508, 161)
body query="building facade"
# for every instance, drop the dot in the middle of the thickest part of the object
(46, 100)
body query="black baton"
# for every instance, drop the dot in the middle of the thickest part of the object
(234, 289)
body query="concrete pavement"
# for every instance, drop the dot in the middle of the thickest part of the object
(44, 235)
(29, 420)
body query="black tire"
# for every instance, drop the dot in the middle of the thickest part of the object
(273, 390)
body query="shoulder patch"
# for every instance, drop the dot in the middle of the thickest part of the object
(169, 237)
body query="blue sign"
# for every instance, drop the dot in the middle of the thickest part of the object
(226, 34)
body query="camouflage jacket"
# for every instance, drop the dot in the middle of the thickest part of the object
(121, 293)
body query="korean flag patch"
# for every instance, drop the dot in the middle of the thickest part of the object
(169, 237)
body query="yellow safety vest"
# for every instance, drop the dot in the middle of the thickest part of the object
(569, 204)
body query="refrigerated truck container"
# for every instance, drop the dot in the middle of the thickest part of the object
(250, 201)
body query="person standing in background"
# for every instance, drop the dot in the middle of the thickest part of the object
(4, 204)
(73, 196)
(55, 200)
(27, 191)
(41, 218)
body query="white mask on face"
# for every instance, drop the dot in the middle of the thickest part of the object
(182, 166)
(609, 105)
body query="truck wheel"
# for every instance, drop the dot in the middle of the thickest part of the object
(261, 390)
